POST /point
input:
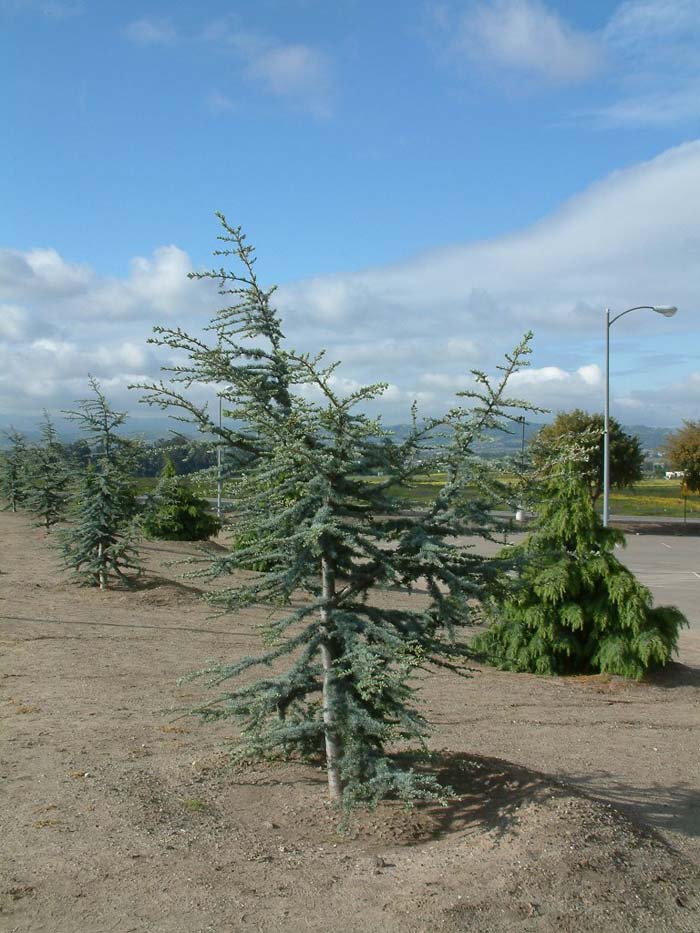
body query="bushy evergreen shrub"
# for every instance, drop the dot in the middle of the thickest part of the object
(175, 512)
(573, 607)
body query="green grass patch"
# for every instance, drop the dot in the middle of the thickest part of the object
(194, 805)
(650, 497)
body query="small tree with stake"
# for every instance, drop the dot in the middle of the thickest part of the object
(320, 528)
(574, 608)
(13, 471)
(102, 542)
(48, 478)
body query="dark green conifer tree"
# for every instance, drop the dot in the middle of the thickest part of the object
(103, 539)
(49, 478)
(175, 512)
(13, 471)
(573, 607)
(322, 530)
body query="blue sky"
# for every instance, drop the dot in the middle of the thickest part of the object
(425, 181)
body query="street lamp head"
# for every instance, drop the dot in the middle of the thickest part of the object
(666, 310)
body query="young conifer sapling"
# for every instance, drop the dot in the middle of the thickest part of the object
(13, 471)
(102, 542)
(49, 478)
(310, 511)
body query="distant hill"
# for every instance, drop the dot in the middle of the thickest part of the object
(498, 443)
(649, 438)
(156, 425)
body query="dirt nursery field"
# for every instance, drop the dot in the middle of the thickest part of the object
(578, 804)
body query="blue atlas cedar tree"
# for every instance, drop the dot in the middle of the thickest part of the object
(309, 513)
(49, 478)
(102, 542)
(13, 471)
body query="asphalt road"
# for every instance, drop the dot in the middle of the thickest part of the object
(670, 566)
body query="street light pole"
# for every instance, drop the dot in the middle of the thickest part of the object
(520, 509)
(666, 311)
(606, 425)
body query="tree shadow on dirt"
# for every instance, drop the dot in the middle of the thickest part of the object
(488, 792)
(201, 548)
(661, 806)
(150, 581)
(675, 675)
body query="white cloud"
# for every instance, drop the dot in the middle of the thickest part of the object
(148, 31)
(41, 271)
(420, 324)
(13, 323)
(457, 348)
(638, 24)
(156, 285)
(298, 72)
(653, 50)
(643, 62)
(559, 389)
(654, 109)
(630, 239)
(527, 38)
(51, 9)
(295, 71)
(218, 103)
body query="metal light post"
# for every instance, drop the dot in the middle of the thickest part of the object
(520, 510)
(667, 311)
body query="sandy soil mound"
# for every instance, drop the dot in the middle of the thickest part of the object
(133, 847)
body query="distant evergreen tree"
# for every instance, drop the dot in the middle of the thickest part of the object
(574, 608)
(49, 478)
(307, 512)
(175, 512)
(103, 540)
(13, 471)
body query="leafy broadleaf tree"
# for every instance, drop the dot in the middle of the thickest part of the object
(175, 512)
(573, 607)
(103, 539)
(683, 452)
(49, 478)
(342, 678)
(13, 471)
(626, 455)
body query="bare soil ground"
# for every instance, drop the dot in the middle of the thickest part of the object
(578, 804)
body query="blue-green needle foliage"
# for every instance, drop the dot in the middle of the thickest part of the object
(336, 670)
(14, 467)
(49, 478)
(102, 542)
(573, 607)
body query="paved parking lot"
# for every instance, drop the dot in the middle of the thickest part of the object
(670, 566)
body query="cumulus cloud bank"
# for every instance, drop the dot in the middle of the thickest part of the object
(420, 324)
